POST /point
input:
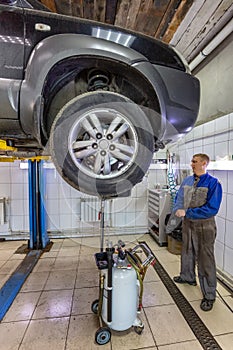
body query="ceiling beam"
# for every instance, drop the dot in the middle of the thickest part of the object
(177, 19)
(111, 8)
(166, 18)
(77, 8)
(64, 7)
(50, 4)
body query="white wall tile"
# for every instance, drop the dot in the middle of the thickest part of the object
(231, 120)
(222, 124)
(52, 206)
(18, 175)
(52, 191)
(220, 223)
(53, 222)
(76, 206)
(65, 221)
(65, 206)
(222, 177)
(119, 205)
(118, 219)
(130, 219)
(26, 223)
(209, 150)
(229, 234)
(64, 190)
(141, 204)
(230, 147)
(223, 207)
(197, 143)
(221, 149)
(198, 132)
(219, 254)
(17, 207)
(17, 191)
(230, 182)
(197, 149)
(26, 206)
(208, 140)
(228, 261)
(5, 190)
(5, 175)
(74, 193)
(17, 223)
(229, 205)
(208, 128)
(131, 205)
(51, 176)
(141, 219)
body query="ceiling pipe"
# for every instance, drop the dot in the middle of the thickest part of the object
(218, 39)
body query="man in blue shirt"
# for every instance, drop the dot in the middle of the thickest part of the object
(197, 202)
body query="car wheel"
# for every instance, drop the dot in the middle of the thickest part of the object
(102, 143)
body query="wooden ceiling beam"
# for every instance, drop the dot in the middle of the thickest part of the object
(100, 10)
(122, 12)
(88, 9)
(177, 19)
(132, 14)
(111, 9)
(77, 8)
(166, 18)
(64, 7)
(50, 4)
(149, 16)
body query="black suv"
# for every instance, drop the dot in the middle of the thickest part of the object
(97, 98)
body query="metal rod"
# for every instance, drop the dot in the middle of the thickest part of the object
(102, 225)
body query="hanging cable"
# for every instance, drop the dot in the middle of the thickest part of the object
(171, 181)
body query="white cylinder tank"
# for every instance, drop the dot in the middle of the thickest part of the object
(125, 291)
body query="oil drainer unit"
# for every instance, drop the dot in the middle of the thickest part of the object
(121, 275)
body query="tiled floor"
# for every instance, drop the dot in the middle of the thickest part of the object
(53, 309)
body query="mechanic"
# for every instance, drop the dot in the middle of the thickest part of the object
(197, 202)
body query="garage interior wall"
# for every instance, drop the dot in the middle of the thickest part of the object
(69, 212)
(217, 83)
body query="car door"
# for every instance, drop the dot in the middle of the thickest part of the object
(11, 60)
(11, 39)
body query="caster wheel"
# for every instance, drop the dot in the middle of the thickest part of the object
(139, 329)
(94, 306)
(102, 336)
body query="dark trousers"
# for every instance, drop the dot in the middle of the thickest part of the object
(198, 237)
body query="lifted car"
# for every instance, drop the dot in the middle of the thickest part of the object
(99, 99)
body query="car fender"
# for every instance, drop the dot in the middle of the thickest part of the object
(179, 98)
(52, 50)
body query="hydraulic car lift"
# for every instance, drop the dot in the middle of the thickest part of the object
(38, 230)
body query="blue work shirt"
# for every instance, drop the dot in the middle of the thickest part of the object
(201, 201)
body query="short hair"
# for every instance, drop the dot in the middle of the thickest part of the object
(203, 156)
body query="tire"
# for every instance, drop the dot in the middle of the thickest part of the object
(94, 306)
(102, 144)
(139, 329)
(102, 336)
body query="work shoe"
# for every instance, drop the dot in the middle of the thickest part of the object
(206, 304)
(178, 279)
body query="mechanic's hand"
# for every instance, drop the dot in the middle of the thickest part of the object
(180, 213)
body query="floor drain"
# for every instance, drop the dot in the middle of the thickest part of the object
(201, 332)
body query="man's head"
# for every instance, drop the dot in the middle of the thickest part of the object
(199, 163)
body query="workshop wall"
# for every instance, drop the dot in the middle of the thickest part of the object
(66, 215)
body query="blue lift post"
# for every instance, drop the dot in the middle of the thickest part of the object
(37, 215)
(38, 236)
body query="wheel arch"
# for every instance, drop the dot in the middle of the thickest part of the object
(53, 49)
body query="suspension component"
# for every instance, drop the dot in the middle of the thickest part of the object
(98, 80)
